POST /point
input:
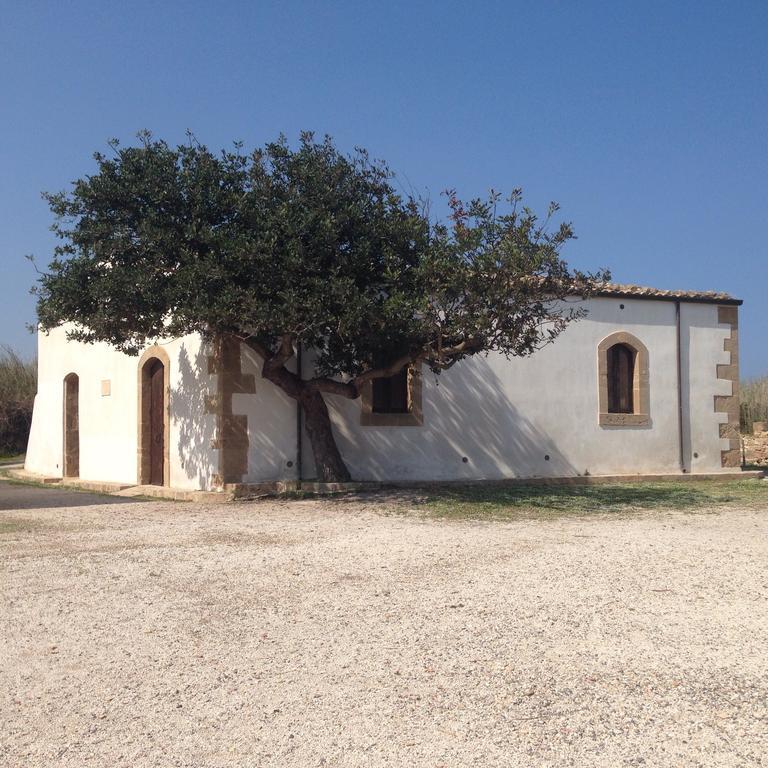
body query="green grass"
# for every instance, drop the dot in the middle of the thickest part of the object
(11, 459)
(498, 502)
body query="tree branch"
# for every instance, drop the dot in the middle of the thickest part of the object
(346, 389)
(465, 347)
(285, 353)
(273, 368)
(390, 370)
(253, 344)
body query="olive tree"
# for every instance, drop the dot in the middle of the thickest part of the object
(285, 247)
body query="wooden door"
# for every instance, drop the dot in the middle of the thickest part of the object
(156, 424)
(72, 426)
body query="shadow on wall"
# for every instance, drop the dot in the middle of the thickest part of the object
(466, 415)
(271, 425)
(191, 421)
(271, 422)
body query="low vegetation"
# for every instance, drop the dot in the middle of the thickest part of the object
(495, 502)
(18, 384)
(754, 402)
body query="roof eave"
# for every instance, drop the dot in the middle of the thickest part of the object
(723, 300)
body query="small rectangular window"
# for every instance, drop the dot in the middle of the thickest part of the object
(390, 394)
(394, 401)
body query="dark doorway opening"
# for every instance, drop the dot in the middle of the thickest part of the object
(71, 426)
(155, 421)
(621, 377)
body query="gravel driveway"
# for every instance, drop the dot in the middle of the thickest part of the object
(350, 633)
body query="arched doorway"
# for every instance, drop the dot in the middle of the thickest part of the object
(153, 418)
(71, 426)
(155, 422)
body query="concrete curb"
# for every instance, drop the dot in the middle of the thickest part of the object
(30, 477)
(243, 491)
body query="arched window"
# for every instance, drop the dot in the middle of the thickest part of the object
(621, 374)
(624, 397)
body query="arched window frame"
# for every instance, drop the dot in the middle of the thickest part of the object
(640, 383)
(154, 352)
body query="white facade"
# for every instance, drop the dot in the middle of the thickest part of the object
(485, 418)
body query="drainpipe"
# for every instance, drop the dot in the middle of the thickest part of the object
(680, 388)
(298, 418)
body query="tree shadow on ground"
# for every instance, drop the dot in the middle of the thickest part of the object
(502, 501)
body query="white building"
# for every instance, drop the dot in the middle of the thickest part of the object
(645, 384)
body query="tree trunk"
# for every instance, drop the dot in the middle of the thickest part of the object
(329, 465)
(317, 422)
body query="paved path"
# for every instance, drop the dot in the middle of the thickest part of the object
(15, 496)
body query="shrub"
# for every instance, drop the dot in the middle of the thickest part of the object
(18, 384)
(754, 402)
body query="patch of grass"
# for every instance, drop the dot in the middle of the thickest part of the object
(498, 502)
(11, 459)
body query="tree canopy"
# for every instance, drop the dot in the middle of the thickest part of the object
(285, 246)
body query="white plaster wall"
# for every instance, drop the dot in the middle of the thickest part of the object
(193, 461)
(109, 425)
(505, 416)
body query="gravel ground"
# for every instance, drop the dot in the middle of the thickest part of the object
(341, 633)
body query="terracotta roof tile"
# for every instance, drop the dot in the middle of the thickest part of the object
(642, 292)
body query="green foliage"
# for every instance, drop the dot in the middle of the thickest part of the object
(305, 245)
(285, 247)
(18, 385)
(754, 402)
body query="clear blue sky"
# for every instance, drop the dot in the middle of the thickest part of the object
(647, 121)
